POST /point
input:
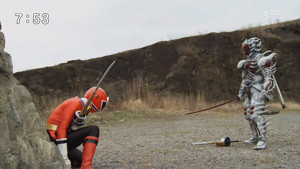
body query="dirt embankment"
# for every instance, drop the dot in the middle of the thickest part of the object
(188, 65)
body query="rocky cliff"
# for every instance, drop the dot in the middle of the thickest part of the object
(23, 141)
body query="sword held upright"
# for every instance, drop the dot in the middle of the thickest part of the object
(85, 109)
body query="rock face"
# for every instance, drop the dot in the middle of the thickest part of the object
(23, 141)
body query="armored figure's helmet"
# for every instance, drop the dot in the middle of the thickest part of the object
(251, 45)
(99, 100)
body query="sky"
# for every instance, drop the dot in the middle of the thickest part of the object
(42, 33)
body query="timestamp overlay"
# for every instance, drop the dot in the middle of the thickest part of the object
(34, 18)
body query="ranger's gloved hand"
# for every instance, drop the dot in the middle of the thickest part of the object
(78, 120)
(63, 150)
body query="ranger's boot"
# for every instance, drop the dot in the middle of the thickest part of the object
(89, 150)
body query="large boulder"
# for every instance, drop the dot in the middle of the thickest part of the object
(23, 140)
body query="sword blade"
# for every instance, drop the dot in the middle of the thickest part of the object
(218, 105)
(279, 93)
(203, 143)
(85, 108)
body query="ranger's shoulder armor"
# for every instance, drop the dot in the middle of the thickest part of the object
(240, 65)
(267, 59)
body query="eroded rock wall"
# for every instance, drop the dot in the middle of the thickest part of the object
(23, 140)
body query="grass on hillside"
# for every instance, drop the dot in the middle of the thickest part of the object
(143, 102)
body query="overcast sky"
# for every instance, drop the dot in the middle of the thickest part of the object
(79, 29)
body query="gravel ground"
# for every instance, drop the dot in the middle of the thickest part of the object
(167, 143)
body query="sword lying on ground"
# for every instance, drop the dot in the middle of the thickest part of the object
(224, 142)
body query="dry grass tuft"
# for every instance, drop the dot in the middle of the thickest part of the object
(290, 106)
(142, 100)
(142, 96)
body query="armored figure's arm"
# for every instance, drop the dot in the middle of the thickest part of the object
(242, 86)
(267, 65)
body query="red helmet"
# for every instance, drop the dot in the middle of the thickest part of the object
(99, 100)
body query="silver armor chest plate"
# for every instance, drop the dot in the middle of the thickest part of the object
(252, 73)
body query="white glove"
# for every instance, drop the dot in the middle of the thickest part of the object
(63, 150)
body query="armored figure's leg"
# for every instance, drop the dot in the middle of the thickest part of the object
(254, 138)
(261, 130)
(248, 112)
(258, 106)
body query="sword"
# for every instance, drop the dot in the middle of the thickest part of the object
(212, 107)
(86, 108)
(224, 142)
(279, 93)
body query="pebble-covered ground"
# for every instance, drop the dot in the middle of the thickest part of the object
(167, 143)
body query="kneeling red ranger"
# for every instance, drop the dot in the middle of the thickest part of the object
(64, 126)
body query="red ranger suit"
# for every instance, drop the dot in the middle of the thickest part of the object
(63, 129)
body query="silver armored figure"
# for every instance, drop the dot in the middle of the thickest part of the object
(256, 87)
